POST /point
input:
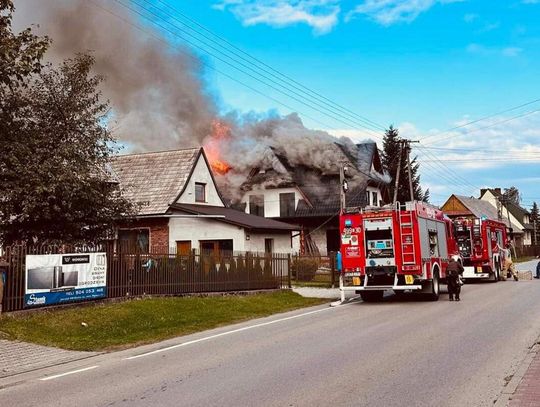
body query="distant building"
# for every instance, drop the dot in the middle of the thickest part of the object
(519, 217)
(458, 206)
(310, 197)
(181, 208)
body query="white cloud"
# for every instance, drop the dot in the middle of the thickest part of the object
(470, 17)
(511, 51)
(388, 12)
(492, 147)
(321, 15)
(480, 49)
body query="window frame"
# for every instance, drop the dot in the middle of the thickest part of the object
(203, 185)
(259, 207)
(375, 198)
(282, 202)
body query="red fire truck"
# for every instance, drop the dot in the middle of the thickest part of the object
(401, 247)
(480, 244)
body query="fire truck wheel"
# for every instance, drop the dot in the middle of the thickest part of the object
(432, 288)
(371, 296)
(496, 273)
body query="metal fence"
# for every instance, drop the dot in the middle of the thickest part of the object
(131, 272)
(315, 270)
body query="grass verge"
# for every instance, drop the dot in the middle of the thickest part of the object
(139, 321)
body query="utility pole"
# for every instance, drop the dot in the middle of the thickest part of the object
(398, 171)
(405, 145)
(408, 146)
(343, 186)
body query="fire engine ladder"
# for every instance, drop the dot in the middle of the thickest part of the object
(408, 253)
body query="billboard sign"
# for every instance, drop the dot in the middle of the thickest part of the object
(58, 278)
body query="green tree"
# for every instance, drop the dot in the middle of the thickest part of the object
(56, 148)
(390, 158)
(535, 221)
(511, 195)
(20, 54)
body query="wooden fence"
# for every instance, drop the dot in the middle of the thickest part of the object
(527, 251)
(131, 272)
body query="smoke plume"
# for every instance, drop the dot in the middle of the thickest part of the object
(156, 91)
(158, 94)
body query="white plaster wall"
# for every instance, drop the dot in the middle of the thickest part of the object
(282, 242)
(271, 199)
(489, 197)
(196, 229)
(201, 173)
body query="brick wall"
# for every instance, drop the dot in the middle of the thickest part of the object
(159, 230)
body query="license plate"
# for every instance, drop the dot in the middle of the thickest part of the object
(356, 281)
(409, 279)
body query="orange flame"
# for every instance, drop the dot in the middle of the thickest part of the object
(221, 132)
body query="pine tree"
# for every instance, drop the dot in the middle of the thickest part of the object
(535, 220)
(511, 195)
(390, 159)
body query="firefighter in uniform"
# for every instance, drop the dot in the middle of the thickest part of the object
(508, 266)
(453, 272)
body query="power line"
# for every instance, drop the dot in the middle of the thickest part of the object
(508, 159)
(481, 150)
(443, 167)
(204, 63)
(482, 119)
(487, 127)
(259, 78)
(272, 71)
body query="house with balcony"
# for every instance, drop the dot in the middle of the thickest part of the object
(308, 196)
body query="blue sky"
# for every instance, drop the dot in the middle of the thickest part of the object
(423, 65)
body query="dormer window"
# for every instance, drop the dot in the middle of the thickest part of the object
(200, 192)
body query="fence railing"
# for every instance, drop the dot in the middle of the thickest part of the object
(528, 251)
(131, 272)
(315, 269)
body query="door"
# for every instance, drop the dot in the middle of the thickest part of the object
(183, 247)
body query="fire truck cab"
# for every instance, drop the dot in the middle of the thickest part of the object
(480, 243)
(401, 247)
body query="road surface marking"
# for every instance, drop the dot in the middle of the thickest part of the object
(207, 338)
(67, 373)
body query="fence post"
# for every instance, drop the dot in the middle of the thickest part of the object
(289, 271)
(333, 269)
(3, 277)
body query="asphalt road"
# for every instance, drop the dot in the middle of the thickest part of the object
(395, 353)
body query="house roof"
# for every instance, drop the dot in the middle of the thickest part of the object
(237, 218)
(320, 189)
(480, 208)
(517, 211)
(155, 180)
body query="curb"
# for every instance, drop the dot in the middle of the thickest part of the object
(511, 387)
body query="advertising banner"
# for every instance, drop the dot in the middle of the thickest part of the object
(58, 278)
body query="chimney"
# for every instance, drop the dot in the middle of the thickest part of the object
(482, 192)
(498, 191)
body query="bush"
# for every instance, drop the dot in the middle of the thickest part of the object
(304, 269)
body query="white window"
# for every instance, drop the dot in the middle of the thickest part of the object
(375, 199)
(200, 192)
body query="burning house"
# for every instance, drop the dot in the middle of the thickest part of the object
(181, 208)
(309, 196)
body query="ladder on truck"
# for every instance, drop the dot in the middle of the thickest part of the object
(408, 252)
